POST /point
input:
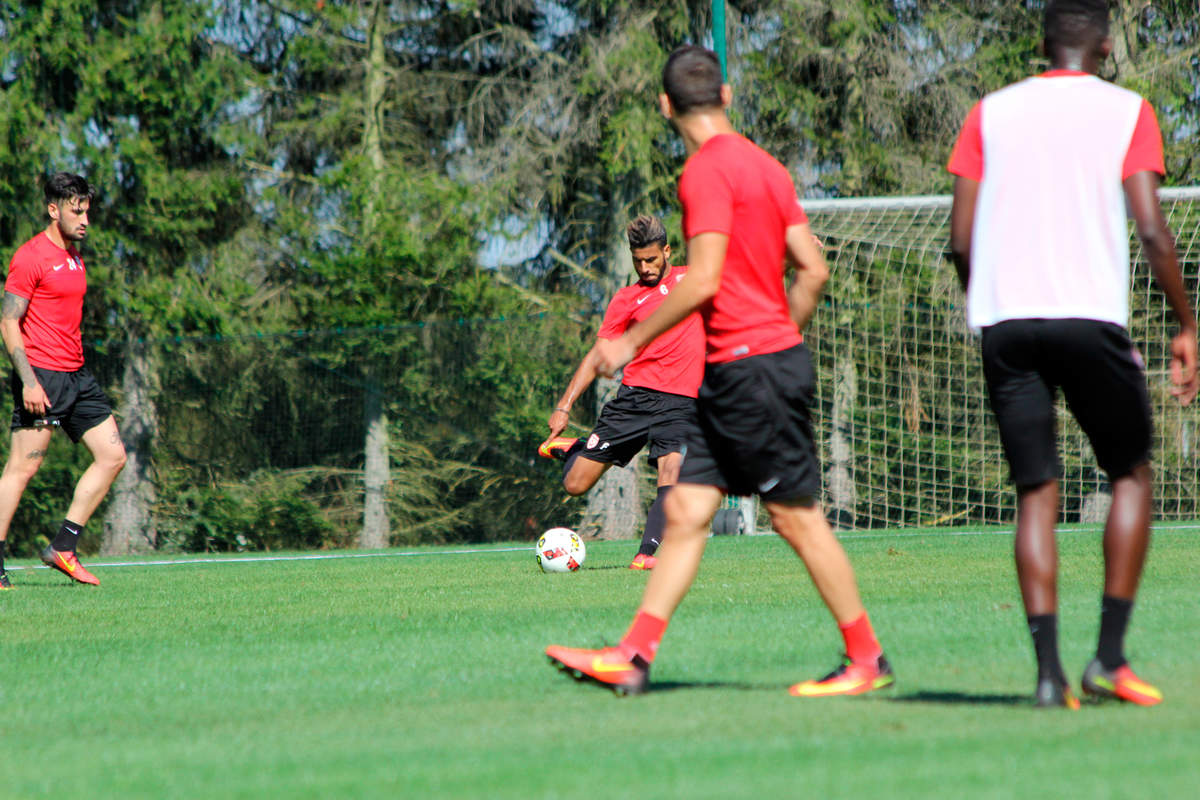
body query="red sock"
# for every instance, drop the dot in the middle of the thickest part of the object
(861, 644)
(643, 636)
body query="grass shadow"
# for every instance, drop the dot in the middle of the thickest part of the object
(675, 686)
(964, 698)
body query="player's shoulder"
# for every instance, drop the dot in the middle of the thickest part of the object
(1092, 85)
(32, 253)
(624, 296)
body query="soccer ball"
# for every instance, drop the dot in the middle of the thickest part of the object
(560, 550)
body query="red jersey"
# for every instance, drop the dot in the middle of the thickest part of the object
(674, 362)
(732, 186)
(54, 281)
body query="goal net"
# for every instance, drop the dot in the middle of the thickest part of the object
(906, 433)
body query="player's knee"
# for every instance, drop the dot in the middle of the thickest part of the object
(113, 462)
(23, 469)
(576, 484)
(681, 514)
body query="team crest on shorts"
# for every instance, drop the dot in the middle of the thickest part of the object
(593, 440)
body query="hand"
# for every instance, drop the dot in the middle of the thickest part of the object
(612, 354)
(1183, 366)
(557, 423)
(34, 398)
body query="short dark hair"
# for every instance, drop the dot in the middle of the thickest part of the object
(1074, 23)
(64, 186)
(646, 230)
(692, 79)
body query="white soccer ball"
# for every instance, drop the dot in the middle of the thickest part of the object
(560, 550)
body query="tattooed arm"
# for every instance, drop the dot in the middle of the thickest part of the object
(12, 309)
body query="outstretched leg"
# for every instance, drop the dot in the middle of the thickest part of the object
(108, 457)
(802, 525)
(25, 455)
(1126, 541)
(625, 668)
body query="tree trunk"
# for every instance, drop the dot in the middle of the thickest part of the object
(843, 497)
(1123, 31)
(376, 530)
(129, 522)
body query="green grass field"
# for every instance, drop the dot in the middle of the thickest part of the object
(422, 676)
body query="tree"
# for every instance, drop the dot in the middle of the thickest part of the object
(136, 97)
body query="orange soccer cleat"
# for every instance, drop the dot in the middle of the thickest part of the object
(643, 561)
(851, 677)
(68, 565)
(609, 667)
(556, 447)
(1119, 683)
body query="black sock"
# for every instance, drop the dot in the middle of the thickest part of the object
(1114, 618)
(1044, 630)
(656, 520)
(569, 457)
(67, 538)
(3, 547)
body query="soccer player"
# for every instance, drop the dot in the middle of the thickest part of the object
(754, 435)
(39, 319)
(1044, 170)
(657, 398)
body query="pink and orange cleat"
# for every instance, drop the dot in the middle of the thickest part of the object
(609, 667)
(643, 561)
(1120, 683)
(556, 447)
(851, 677)
(68, 565)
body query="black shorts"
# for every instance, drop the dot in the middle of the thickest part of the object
(755, 434)
(636, 416)
(77, 403)
(1101, 375)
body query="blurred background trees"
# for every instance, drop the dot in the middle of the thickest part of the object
(346, 253)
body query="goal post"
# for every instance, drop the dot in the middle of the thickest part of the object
(901, 413)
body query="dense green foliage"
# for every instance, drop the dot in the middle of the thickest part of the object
(337, 166)
(421, 675)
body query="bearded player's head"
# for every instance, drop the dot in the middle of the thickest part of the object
(68, 198)
(692, 83)
(1075, 33)
(649, 249)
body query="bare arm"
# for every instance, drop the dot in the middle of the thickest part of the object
(962, 221)
(1159, 246)
(580, 381)
(804, 255)
(706, 260)
(12, 310)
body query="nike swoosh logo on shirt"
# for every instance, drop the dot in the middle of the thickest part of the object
(644, 298)
(60, 266)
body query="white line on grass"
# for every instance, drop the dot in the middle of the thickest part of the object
(1167, 528)
(312, 557)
